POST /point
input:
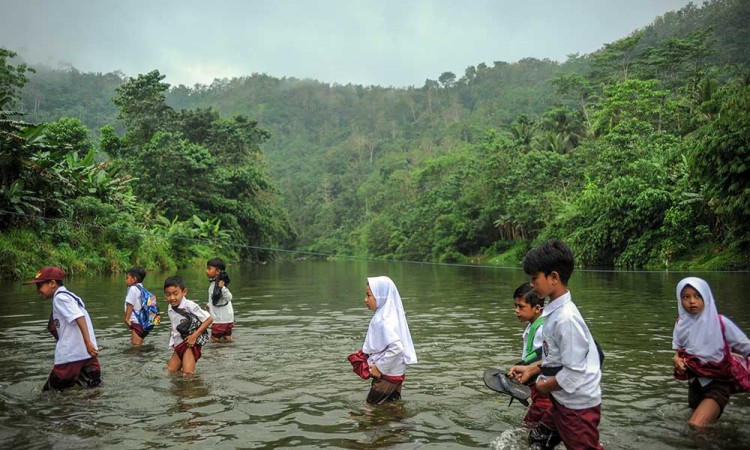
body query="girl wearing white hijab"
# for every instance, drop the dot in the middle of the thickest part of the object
(388, 342)
(700, 355)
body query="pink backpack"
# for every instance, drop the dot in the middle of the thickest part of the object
(739, 365)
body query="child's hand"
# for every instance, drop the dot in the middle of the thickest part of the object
(91, 349)
(679, 364)
(191, 339)
(522, 374)
(206, 307)
(221, 283)
(375, 372)
(127, 323)
(513, 371)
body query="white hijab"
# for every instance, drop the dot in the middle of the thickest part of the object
(699, 334)
(388, 324)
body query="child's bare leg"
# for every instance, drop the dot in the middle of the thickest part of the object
(188, 361)
(228, 338)
(214, 339)
(174, 363)
(706, 412)
(135, 339)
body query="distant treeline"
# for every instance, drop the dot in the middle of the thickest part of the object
(637, 155)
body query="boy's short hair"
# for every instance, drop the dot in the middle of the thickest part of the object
(217, 262)
(137, 272)
(552, 256)
(526, 292)
(174, 280)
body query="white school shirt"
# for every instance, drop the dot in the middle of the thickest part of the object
(133, 297)
(70, 345)
(175, 318)
(221, 314)
(568, 343)
(391, 360)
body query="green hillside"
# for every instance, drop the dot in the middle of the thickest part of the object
(637, 155)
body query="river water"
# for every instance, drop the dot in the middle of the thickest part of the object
(285, 381)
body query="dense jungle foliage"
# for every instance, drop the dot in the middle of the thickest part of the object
(637, 155)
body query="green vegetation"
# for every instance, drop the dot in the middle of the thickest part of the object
(155, 196)
(637, 155)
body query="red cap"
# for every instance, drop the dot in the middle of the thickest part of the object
(47, 274)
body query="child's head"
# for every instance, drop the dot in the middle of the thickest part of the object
(135, 275)
(47, 281)
(370, 300)
(693, 293)
(549, 266)
(214, 267)
(528, 305)
(174, 290)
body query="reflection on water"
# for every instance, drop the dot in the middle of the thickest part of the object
(285, 381)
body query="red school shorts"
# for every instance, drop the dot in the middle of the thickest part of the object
(220, 330)
(578, 428)
(183, 346)
(540, 404)
(139, 330)
(86, 373)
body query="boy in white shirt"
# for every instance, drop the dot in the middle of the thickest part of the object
(528, 308)
(570, 368)
(133, 279)
(189, 322)
(76, 349)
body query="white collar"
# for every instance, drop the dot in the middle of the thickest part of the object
(556, 304)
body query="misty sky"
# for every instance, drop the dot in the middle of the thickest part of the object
(384, 42)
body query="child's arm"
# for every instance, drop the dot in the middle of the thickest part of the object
(737, 340)
(128, 312)
(204, 326)
(679, 364)
(577, 349)
(225, 292)
(81, 321)
(547, 385)
(523, 373)
(388, 360)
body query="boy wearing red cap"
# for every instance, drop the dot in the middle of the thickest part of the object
(76, 349)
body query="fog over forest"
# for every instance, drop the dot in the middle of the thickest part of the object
(386, 43)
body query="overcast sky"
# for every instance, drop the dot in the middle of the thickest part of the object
(383, 42)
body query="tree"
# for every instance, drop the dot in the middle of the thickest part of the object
(12, 79)
(69, 133)
(615, 60)
(447, 79)
(720, 158)
(143, 107)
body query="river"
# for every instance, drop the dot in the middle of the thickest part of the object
(285, 381)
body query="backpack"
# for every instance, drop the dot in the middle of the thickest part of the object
(148, 316)
(738, 365)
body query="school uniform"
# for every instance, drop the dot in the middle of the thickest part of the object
(133, 298)
(700, 341)
(533, 340)
(388, 342)
(569, 351)
(223, 315)
(73, 364)
(176, 342)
